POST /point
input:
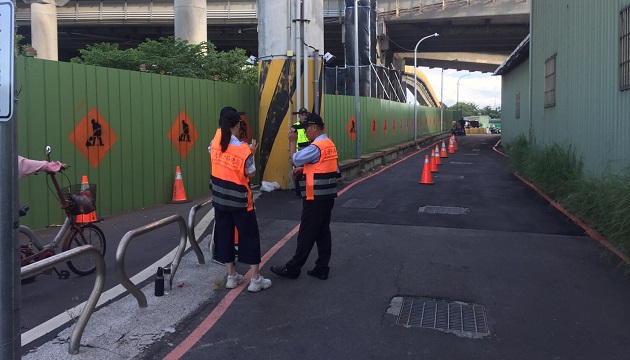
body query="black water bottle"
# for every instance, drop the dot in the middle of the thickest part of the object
(159, 282)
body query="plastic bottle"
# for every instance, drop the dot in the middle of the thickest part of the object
(159, 282)
(167, 280)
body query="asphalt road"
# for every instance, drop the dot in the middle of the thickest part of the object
(548, 291)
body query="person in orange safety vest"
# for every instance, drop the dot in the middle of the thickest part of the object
(232, 165)
(318, 163)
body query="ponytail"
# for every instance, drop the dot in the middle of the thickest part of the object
(226, 134)
(228, 121)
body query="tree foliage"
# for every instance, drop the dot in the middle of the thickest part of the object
(471, 109)
(176, 57)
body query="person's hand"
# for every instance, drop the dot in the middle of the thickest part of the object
(253, 146)
(298, 171)
(292, 135)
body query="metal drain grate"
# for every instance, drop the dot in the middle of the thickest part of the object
(449, 316)
(449, 177)
(444, 210)
(362, 203)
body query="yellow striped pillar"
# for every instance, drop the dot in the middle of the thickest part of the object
(288, 33)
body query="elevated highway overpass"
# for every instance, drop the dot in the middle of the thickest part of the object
(475, 35)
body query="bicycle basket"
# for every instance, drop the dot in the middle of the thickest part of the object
(81, 198)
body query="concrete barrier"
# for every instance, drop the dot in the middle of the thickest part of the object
(353, 168)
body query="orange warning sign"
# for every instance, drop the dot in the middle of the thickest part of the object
(351, 129)
(400, 124)
(93, 137)
(374, 126)
(385, 126)
(394, 126)
(183, 134)
(246, 132)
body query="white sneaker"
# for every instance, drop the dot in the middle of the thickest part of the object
(255, 285)
(233, 281)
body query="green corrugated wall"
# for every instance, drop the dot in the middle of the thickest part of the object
(139, 109)
(377, 127)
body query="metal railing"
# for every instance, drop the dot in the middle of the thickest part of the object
(90, 304)
(191, 226)
(130, 235)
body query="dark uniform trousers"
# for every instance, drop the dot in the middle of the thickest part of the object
(248, 236)
(314, 229)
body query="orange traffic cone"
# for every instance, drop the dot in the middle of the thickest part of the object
(179, 194)
(455, 143)
(426, 172)
(432, 164)
(451, 147)
(443, 153)
(86, 218)
(438, 161)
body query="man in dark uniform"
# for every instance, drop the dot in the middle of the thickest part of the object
(318, 163)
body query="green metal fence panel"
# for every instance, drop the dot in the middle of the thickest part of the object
(383, 123)
(137, 112)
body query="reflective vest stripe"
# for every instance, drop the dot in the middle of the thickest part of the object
(230, 185)
(321, 178)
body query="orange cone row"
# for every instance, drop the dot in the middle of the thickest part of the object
(431, 164)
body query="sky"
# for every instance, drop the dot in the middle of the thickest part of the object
(482, 89)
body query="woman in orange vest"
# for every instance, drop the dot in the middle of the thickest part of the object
(232, 166)
(318, 186)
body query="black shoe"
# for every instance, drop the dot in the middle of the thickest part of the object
(284, 272)
(319, 272)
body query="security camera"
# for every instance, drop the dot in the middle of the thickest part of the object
(328, 57)
(252, 60)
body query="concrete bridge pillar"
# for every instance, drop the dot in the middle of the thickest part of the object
(290, 73)
(191, 20)
(44, 29)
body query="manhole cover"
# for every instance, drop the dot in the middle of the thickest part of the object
(362, 203)
(456, 317)
(444, 210)
(461, 163)
(449, 177)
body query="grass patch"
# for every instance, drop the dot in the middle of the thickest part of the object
(602, 203)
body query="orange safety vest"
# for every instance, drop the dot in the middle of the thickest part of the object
(230, 185)
(320, 180)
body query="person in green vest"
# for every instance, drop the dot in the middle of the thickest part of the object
(302, 140)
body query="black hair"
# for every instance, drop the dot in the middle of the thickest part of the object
(227, 121)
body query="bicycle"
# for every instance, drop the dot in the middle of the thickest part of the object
(75, 200)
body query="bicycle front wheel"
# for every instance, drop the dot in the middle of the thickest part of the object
(90, 235)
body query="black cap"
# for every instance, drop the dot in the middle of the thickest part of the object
(302, 111)
(232, 117)
(313, 119)
(229, 108)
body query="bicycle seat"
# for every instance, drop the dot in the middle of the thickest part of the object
(23, 210)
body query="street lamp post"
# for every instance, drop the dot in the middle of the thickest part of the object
(459, 107)
(415, 88)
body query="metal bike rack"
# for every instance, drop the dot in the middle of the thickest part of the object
(90, 304)
(191, 228)
(130, 235)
